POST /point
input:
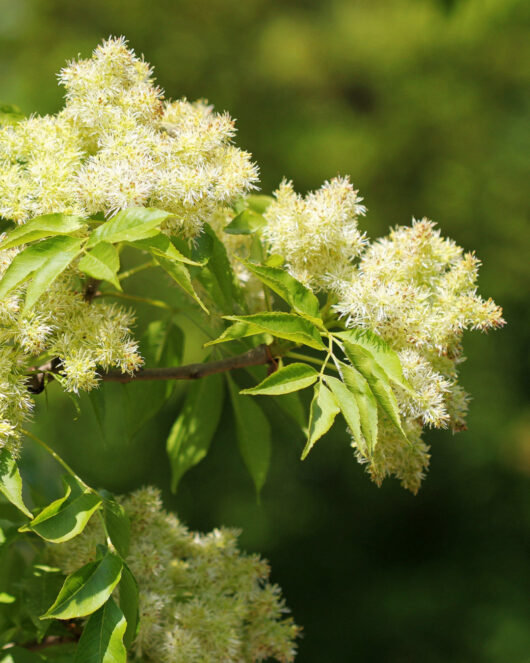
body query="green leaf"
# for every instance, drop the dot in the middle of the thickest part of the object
(292, 377)
(117, 523)
(102, 637)
(161, 245)
(19, 655)
(10, 114)
(217, 277)
(382, 353)
(180, 275)
(324, 409)
(275, 260)
(292, 406)
(26, 262)
(103, 262)
(42, 226)
(60, 253)
(378, 380)
(236, 331)
(192, 433)
(245, 223)
(129, 225)
(66, 517)
(11, 482)
(7, 598)
(348, 406)
(40, 587)
(87, 589)
(253, 435)
(284, 325)
(258, 202)
(299, 298)
(128, 589)
(366, 403)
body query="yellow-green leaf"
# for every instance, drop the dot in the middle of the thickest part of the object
(129, 225)
(366, 403)
(11, 482)
(87, 589)
(284, 325)
(324, 409)
(285, 380)
(299, 298)
(42, 226)
(103, 262)
(102, 637)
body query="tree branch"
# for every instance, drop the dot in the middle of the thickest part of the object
(255, 357)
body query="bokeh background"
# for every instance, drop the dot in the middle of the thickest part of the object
(425, 103)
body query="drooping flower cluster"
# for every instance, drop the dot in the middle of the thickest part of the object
(116, 144)
(317, 235)
(201, 599)
(414, 288)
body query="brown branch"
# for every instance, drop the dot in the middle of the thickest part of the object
(255, 357)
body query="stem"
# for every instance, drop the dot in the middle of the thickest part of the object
(310, 360)
(55, 456)
(254, 357)
(329, 354)
(141, 300)
(135, 270)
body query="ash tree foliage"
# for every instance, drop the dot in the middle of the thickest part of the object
(291, 294)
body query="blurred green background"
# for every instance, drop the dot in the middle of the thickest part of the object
(425, 103)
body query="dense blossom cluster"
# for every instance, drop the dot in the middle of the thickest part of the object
(414, 288)
(201, 599)
(317, 235)
(117, 143)
(62, 325)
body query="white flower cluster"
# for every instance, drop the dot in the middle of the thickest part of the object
(418, 291)
(201, 599)
(317, 235)
(117, 144)
(414, 288)
(82, 336)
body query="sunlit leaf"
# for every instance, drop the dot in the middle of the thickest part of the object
(347, 402)
(102, 637)
(11, 482)
(245, 223)
(60, 253)
(324, 409)
(292, 377)
(129, 225)
(378, 380)
(284, 325)
(66, 517)
(380, 350)
(366, 403)
(87, 589)
(299, 298)
(103, 262)
(42, 226)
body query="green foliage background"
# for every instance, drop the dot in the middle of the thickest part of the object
(425, 103)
